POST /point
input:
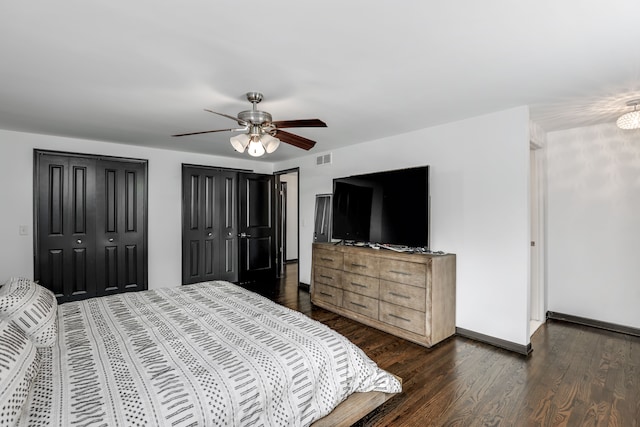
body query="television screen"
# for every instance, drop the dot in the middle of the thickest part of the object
(390, 207)
(352, 211)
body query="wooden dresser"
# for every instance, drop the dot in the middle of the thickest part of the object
(412, 296)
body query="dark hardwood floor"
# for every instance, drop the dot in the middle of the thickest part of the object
(575, 376)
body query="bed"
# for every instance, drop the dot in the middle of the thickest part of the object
(204, 354)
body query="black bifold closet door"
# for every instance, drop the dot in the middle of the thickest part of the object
(228, 225)
(90, 224)
(209, 224)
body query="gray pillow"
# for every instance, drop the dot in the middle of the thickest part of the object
(32, 308)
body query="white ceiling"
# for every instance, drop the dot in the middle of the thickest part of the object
(139, 71)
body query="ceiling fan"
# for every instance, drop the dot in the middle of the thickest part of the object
(261, 133)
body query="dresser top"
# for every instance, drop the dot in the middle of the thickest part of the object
(381, 253)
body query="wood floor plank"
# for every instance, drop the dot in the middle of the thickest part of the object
(575, 376)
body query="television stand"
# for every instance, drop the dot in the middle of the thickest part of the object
(410, 295)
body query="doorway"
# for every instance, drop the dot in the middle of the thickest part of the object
(288, 209)
(537, 289)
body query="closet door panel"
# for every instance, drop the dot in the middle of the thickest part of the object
(111, 268)
(131, 267)
(228, 226)
(121, 226)
(197, 226)
(257, 228)
(209, 230)
(81, 222)
(80, 285)
(65, 224)
(210, 235)
(194, 260)
(109, 223)
(52, 272)
(134, 228)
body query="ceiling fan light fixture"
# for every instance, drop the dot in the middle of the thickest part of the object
(630, 120)
(240, 142)
(255, 149)
(270, 143)
(259, 130)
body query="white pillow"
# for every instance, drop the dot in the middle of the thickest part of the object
(32, 308)
(19, 363)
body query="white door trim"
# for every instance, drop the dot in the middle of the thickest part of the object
(537, 289)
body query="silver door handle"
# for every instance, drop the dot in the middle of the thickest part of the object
(244, 235)
(111, 239)
(78, 241)
(209, 234)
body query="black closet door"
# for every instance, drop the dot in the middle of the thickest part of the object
(257, 227)
(209, 225)
(90, 224)
(65, 227)
(228, 226)
(120, 227)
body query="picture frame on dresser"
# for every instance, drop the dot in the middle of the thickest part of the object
(322, 218)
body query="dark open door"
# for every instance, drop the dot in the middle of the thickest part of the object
(209, 224)
(257, 227)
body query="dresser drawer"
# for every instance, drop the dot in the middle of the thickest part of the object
(360, 263)
(331, 259)
(364, 305)
(363, 285)
(327, 276)
(410, 273)
(403, 295)
(402, 317)
(328, 294)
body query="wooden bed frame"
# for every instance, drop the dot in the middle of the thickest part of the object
(354, 408)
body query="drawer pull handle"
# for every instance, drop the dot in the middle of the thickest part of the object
(326, 294)
(327, 259)
(358, 284)
(399, 295)
(402, 273)
(398, 317)
(358, 305)
(358, 265)
(326, 277)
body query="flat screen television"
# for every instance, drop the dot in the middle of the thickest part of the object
(390, 207)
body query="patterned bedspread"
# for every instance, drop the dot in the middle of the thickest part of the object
(205, 354)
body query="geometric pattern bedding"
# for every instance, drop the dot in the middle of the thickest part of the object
(205, 354)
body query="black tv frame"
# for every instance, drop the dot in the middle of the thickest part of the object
(399, 199)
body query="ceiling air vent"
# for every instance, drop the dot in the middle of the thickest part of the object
(323, 160)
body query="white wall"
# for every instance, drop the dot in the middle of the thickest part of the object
(479, 198)
(593, 223)
(164, 169)
(292, 214)
(480, 209)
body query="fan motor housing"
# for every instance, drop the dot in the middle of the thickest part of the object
(255, 117)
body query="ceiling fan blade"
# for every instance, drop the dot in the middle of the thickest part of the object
(303, 123)
(208, 131)
(295, 140)
(242, 122)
